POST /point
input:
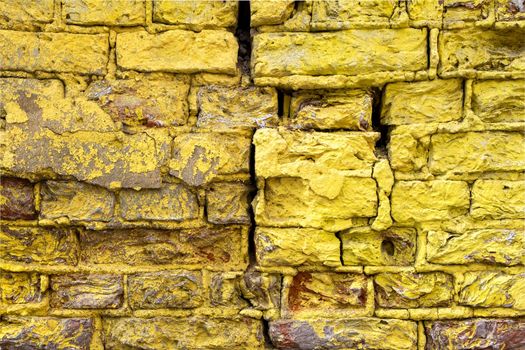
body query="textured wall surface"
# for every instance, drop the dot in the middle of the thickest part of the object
(274, 174)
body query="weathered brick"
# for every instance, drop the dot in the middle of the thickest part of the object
(226, 291)
(363, 246)
(263, 290)
(86, 291)
(171, 202)
(228, 203)
(178, 51)
(496, 199)
(429, 12)
(54, 52)
(474, 152)
(509, 10)
(350, 110)
(239, 107)
(475, 333)
(415, 201)
(201, 14)
(412, 290)
(492, 289)
(344, 53)
(463, 12)
(495, 101)
(16, 12)
(291, 201)
(489, 246)
(46, 333)
(16, 199)
(20, 287)
(406, 151)
(165, 289)
(267, 12)
(367, 333)
(469, 50)
(295, 246)
(185, 333)
(114, 12)
(76, 201)
(279, 152)
(148, 101)
(435, 101)
(38, 245)
(200, 157)
(320, 292)
(219, 248)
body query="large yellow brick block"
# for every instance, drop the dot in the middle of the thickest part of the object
(496, 101)
(495, 199)
(54, 52)
(296, 246)
(489, 246)
(492, 289)
(350, 52)
(108, 12)
(20, 287)
(474, 152)
(16, 12)
(435, 101)
(201, 14)
(178, 51)
(416, 201)
(269, 12)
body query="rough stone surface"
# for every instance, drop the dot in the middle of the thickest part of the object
(34, 12)
(475, 333)
(202, 14)
(369, 333)
(265, 12)
(86, 291)
(20, 287)
(76, 201)
(495, 101)
(17, 200)
(165, 289)
(494, 199)
(170, 202)
(227, 203)
(178, 51)
(115, 12)
(225, 291)
(412, 290)
(262, 290)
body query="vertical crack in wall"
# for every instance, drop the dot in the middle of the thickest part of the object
(243, 37)
(377, 103)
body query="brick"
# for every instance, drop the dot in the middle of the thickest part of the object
(46, 332)
(213, 333)
(474, 152)
(264, 12)
(350, 110)
(492, 289)
(148, 101)
(349, 52)
(17, 200)
(219, 248)
(86, 291)
(263, 290)
(495, 199)
(46, 246)
(429, 12)
(165, 289)
(509, 10)
(198, 158)
(482, 333)
(20, 287)
(407, 152)
(368, 333)
(435, 101)
(363, 246)
(416, 201)
(496, 101)
(412, 290)
(291, 202)
(326, 292)
(76, 201)
(488, 50)
(171, 202)
(114, 13)
(239, 107)
(279, 152)
(295, 246)
(178, 51)
(201, 14)
(226, 291)
(488, 246)
(54, 52)
(228, 203)
(16, 12)
(464, 12)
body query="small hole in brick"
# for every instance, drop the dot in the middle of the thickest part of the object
(387, 247)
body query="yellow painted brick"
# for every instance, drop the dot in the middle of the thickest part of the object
(509, 10)
(178, 51)
(406, 152)
(495, 101)
(20, 287)
(268, 12)
(493, 199)
(202, 14)
(228, 203)
(25, 12)
(114, 12)
(464, 12)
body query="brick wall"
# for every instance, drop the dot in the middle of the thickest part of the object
(273, 174)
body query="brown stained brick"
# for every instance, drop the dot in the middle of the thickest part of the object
(19, 287)
(16, 199)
